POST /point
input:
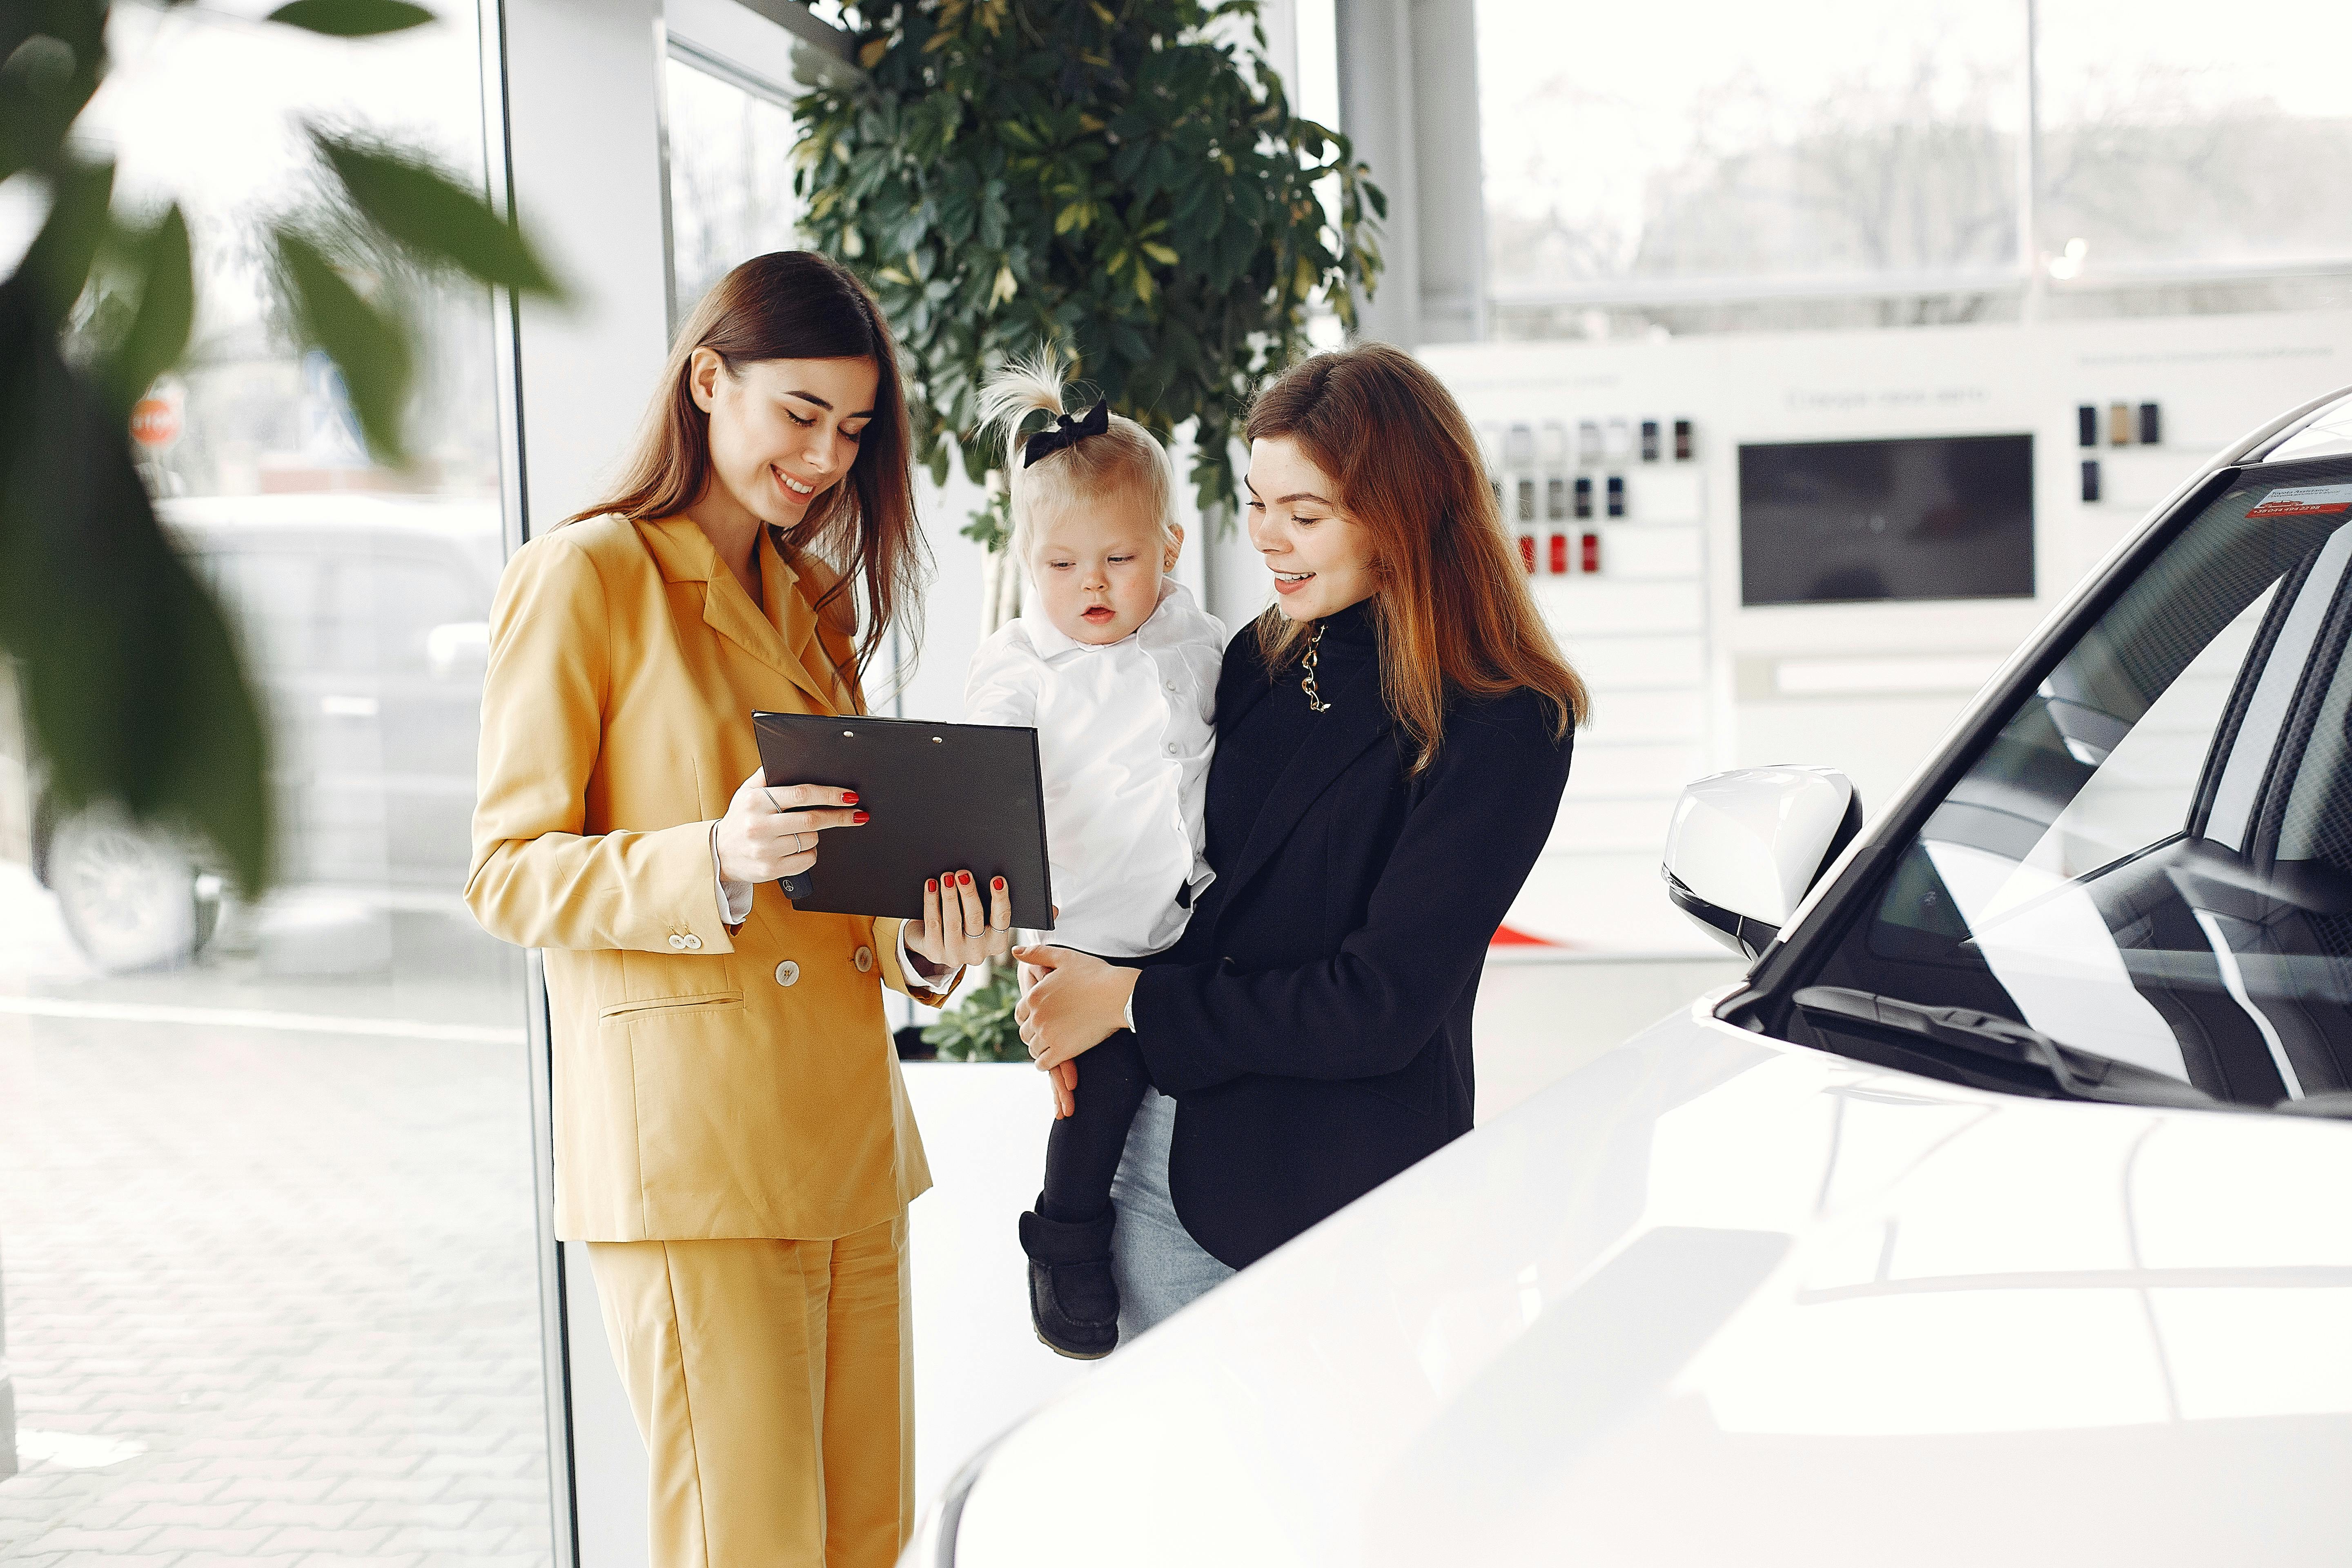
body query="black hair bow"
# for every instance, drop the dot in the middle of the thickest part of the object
(1066, 432)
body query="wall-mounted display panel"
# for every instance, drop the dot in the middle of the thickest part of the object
(1943, 517)
(1689, 676)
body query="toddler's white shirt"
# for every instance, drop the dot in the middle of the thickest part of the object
(1124, 731)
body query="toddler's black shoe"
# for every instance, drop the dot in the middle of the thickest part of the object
(1073, 1301)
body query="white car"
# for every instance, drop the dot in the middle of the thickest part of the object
(364, 621)
(2004, 1214)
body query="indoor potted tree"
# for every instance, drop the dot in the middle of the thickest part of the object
(1126, 182)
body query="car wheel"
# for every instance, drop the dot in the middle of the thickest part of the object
(130, 896)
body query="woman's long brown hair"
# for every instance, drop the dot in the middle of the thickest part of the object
(1453, 615)
(794, 304)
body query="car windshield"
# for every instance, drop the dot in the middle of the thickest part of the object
(2152, 859)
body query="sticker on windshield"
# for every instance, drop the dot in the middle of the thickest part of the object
(2305, 500)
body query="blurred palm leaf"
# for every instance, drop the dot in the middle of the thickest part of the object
(51, 55)
(166, 314)
(132, 685)
(352, 19)
(371, 345)
(57, 267)
(130, 678)
(422, 209)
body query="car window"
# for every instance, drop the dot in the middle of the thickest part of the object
(274, 599)
(386, 606)
(2152, 859)
(2140, 789)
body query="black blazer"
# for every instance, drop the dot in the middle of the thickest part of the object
(1313, 1024)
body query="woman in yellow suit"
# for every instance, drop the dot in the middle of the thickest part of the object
(732, 1139)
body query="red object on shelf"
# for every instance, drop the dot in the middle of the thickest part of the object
(1559, 555)
(1591, 553)
(1528, 551)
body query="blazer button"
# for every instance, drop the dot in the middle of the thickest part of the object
(787, 972)
(864, 960)
(693, 943)
(678, 942)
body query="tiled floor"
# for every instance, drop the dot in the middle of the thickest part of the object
(269, 1297)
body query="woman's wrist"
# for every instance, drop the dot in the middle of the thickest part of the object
(919, 965)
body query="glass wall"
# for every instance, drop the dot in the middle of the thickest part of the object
(1881, 165)
(731, 177)
(2177, 135)
(268, 1247)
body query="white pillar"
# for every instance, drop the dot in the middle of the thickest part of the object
(1409, 100)
(585, 114)
(583, 117)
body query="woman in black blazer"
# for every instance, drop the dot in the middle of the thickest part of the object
(1393, 738)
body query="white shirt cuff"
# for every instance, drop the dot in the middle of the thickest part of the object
(734, 898)
(907, 967)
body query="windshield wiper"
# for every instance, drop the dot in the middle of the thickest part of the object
(1938, 1033)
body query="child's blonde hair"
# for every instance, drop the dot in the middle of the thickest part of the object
(1126, 456)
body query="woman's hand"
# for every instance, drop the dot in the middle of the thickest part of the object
(954, 932)
(1063, 1079)
(1077, 1003)
(770, 831)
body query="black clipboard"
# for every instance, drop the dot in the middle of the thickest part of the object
(942, 798)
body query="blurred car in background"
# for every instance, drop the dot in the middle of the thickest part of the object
(364, 621)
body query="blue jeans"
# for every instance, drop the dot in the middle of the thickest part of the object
(1158, 1265)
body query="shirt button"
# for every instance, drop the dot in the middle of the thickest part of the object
(678, 942)
(864, 960)
(693, 943)
(787, 972)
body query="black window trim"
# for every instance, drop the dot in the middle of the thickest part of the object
(1763, 1003)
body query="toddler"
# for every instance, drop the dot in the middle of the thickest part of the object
(1116, 666)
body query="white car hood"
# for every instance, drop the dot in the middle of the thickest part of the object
(1719, 1299)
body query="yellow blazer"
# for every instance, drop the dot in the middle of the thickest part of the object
(710, 1082)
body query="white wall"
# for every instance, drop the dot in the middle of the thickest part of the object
(583, 111)
(1687, 681)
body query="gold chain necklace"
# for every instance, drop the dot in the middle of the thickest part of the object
(1314, 703)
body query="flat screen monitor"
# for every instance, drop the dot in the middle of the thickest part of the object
(1947, 516)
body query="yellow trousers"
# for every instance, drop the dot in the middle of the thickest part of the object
(772, 1383)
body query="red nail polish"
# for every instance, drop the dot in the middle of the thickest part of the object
(965, 878)
(931, 884)
(848, 798)
(857, 817)
(998, 884)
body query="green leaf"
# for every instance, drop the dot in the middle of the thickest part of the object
(353, 18)
(1143, 191)
(439, 220)
(57, 265)
(158, 334)
(132, 686)
(369, 347)
(51, 53)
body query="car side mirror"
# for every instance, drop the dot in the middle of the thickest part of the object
(459, 647)
(1747, 845)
